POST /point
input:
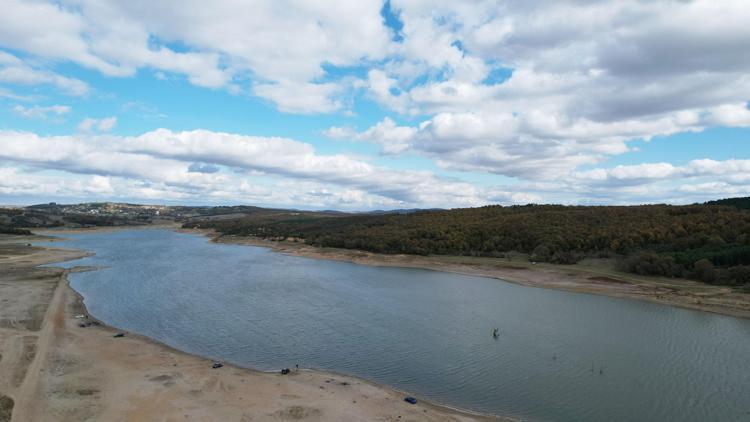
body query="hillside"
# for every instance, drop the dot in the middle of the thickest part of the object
(740, 203)
(708, 242)
(705, 242)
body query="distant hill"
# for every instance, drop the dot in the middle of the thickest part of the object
(93, 214)
(403, 211)
(740, 203)
(709, 242)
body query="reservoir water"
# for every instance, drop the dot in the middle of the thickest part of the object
(559, 356)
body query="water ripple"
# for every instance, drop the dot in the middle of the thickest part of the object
(560, 356)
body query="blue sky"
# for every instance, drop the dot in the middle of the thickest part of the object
(374, 105)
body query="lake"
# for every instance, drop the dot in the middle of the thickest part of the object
(560, 356)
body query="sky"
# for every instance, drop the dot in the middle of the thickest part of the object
(363, 105)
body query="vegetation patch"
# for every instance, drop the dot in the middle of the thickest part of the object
(298, 413)
(706, 242)
(14, 230)
(6, 408)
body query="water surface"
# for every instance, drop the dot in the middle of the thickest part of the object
(560, 356)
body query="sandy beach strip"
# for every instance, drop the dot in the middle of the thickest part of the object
(51, 369)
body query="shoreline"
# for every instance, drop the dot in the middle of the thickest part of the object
(306, 379)
(300, 395)
(425, 402)
(681, 293)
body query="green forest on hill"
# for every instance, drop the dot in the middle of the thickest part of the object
(709, 242)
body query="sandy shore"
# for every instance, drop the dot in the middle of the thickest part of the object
(53, 370)
(582, 278)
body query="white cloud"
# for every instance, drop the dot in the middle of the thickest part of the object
(106, 124)
(730, 115)
(645, 173)
(600, 61)
(102, 125)
(281, 46)
(207, 166)
(695, 181)
(168, 158)
(87, 124)
(15, 71)
(100, 185)
(381, 88)
(531, 144)
(585, 78)
(338, 132)
(531, 90)
(40, 112)
(394, 139)
(295, 97)
(6, 93)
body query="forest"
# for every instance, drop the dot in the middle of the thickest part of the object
(708, 242)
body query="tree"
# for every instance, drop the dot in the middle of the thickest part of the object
(704, 270)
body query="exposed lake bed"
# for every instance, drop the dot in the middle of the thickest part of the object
(422, 331)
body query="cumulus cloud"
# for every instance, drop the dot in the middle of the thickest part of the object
(281, 46)
(394, 139)
(532, 144)
(300, 97)
(528, 146)
(602, 61)
(583, 79)
(643, 173)
(534, 91)
(694, 181)
(214, 166)
(185, 161)
(737, 115)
